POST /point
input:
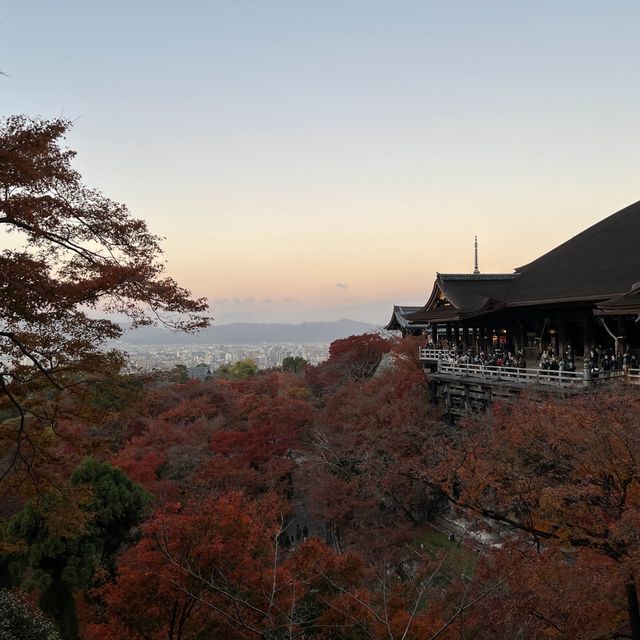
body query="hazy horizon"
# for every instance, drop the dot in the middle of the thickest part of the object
(252, 333)
(317, 161)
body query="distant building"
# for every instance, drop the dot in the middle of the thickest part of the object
(200, 372)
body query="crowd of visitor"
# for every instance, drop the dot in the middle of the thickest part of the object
(599, 359)
(605, 360)
(550, 362)
(500, 357)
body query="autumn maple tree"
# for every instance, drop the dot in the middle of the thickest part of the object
(366, 433)
(69, 255)
(352, 358)
(562, 478)
(205, 568)
(216, 569)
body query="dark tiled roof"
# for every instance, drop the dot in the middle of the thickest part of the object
(453, 314)
(467, 295)
(474, 293)
(399, 318)
(625, 304)
(600, 262)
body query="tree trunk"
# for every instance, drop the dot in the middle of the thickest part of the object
(632, 608)
(57, 601)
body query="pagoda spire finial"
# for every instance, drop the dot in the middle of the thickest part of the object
(475, 255)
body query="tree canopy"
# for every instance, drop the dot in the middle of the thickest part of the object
(296, 364)
(238, 370)
(66, 538)
(70, 255)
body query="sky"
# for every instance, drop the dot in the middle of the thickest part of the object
(323, 160)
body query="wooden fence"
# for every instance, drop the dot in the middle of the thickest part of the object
(448, 365)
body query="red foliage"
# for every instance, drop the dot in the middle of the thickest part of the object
(565, 475)
(561, 475)
(168, 453)
(217, 435)
(273, 429)
(353, 358)
(215, 571)
(366, 435)
(261, 455)
(208, 568)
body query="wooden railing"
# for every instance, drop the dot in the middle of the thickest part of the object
(634, 376)
(435, 354)
(447, 364)
(513, 374)
(606, 375)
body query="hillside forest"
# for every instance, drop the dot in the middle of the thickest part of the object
(329, 502)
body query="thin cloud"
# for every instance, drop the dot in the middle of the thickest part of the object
(244, 301)
(341, 285)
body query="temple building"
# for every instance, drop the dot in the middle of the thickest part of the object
(400, 321)
(583, 293)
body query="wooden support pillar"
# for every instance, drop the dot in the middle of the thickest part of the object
(512, 337)
(563, 328)
(465, 335)
(456, 333)
(588, 380)
(539, 324)
(447, 397)
(449, 334)
(467, 399)
(588, 331)
(474, 339)
(621, 331)
(434, 334)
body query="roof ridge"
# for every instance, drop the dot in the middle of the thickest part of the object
(477, 276)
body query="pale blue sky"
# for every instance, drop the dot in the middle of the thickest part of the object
(286, 148)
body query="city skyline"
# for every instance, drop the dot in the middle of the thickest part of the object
(315, 162)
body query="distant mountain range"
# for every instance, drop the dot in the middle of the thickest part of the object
(252, 333)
